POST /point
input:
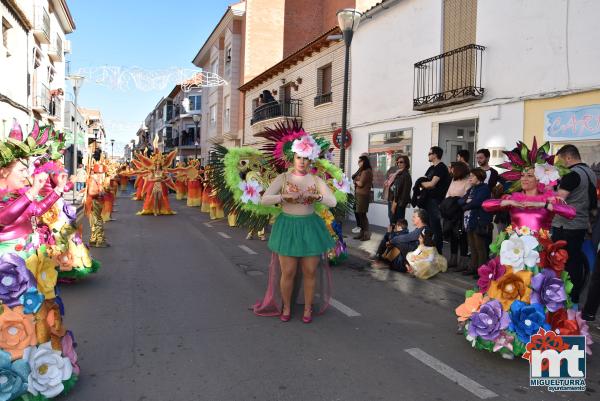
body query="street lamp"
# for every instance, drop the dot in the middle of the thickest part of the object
(348, 20)
(77, 81)
(196, 118)
(112, 149)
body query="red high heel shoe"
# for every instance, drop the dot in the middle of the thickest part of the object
(285, 318)
(307, 319)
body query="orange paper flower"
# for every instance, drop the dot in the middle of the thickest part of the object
(17, 331)
(471, 305)
(511, 287)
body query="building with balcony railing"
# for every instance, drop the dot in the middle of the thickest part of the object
(32, 72)
(468, 74)
(305, 86)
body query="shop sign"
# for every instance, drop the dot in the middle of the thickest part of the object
(579, 123)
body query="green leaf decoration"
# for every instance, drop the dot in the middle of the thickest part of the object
(486, 345)
(31, 142)
(519, 348)
(20, 145)
(69, 384)
(469, 293)
(525, 154)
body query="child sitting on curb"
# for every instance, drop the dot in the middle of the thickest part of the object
(425, 262)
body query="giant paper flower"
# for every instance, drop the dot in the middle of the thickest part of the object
(519, 252)
(525, 320)
(46, 235)
(548, 290)
(66, 261)
(17, 331)
(31, 300)
(489, 321)
(50, 218)
(45, 273)
(584, 329)
(492, 270)
(504, 340)
(553, 256)
(344, 185)
(70, 212)
(546, 174)
(471, 305)
(251, 191)
(13, 377)
(561, 323)
(68, 350)
(48, 370)
(511, 287)
(307, 147)
(14, 278)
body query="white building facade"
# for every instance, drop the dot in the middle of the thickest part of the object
(467, 74)
(32, 62)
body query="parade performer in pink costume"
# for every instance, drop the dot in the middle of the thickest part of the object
(524, 290)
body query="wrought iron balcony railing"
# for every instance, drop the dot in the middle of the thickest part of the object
(289, 108)
(41, 99)
(55, 109)
(449, 78)
(41, 25)
(323, 98)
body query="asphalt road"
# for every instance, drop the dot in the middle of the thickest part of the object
(167, 319)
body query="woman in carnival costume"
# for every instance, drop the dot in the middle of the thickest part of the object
(180, 183)
(524, 290)
(157, 181)
(303, 186)
(37, 356)
(194, 187)
(206, 189)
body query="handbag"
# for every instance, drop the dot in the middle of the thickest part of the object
(391, 253)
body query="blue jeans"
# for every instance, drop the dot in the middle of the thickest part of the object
(79, 186)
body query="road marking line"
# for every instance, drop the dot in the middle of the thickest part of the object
(224, 235)
(247, 250)
(208, 225)
(343, 308)
(452, 374)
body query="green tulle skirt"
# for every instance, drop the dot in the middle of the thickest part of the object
(300, 236)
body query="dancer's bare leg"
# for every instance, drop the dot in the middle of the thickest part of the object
(309, 271)
(288, 272)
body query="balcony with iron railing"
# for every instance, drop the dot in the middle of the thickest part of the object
(41, 25)
(41, 99)
(323, 99)
(275, 109)
(450, 78)
(55, 109)
(55, 51)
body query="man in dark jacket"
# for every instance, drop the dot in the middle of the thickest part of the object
(437, 186)
(491, 174)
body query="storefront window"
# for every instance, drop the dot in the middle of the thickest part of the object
(384, 147)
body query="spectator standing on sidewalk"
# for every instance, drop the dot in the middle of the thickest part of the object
(363, 182)
(578, 190)
(452, 213)
(397, 191)
(478, 222)
(438, 180)
(81, 177)
(483, 161)
(463, 156)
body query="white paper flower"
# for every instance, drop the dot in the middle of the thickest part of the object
(546, 173)
(306, 147)
(532, 256)
(48, 370)
(344, 185)
(251, 189)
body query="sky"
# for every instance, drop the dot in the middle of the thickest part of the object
(152, 35)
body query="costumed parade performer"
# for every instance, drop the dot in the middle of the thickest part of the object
(111, 189)
(524, 290)
(94, 200)
(58, 225)
(206, 189)
(37, 355)
(157, 181)
(181, 183)
(305, 186)
(123, 178)
(138, 185)
(194, 187)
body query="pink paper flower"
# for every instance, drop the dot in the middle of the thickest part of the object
(344, 185)
(493, 270)
(306, 147)
(252, 190)
(504, 340)
(68, 350)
